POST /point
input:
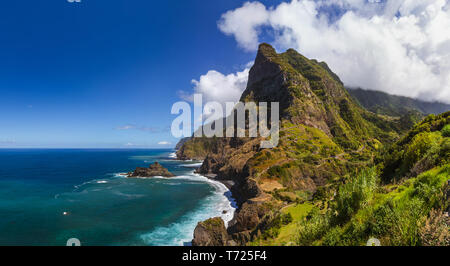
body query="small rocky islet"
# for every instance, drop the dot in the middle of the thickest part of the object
(153, 170)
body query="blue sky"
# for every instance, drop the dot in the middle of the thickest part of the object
(79, 74)
(105, 73)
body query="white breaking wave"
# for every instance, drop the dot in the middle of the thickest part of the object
(192, 165)
(220, 204)
(120, 174)
(227, 203)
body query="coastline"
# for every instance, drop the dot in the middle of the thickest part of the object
(213, 206)
(219, 184)
(220, 204)
(224, 189)
(228, 183)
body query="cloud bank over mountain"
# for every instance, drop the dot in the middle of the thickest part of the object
(399, 47)
(215, 86)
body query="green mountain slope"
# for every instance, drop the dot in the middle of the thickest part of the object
(326, 139)
(412, 210)
(383, 103)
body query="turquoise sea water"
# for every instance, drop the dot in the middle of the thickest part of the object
(49, 196)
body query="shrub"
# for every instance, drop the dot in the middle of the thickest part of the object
(398, 222)
(399, 218)
(422, 144)
(435, 230)
(429, 186)
(286, 219)
(355, 194)
(333, 237)
(446, 131)
(405, 230)
(277, 171)
(444, 154)
(273, 229)
(314, 227)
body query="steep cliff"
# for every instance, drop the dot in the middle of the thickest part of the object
(324, 135)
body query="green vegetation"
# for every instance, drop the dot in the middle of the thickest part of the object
(396, 218)
(424, 147)
(213, 222)
(446, 131)
(399, 200)
(286, 233)
(435, 230)
(386, 104)
(341, 174)
(355, 194)
(198, 148)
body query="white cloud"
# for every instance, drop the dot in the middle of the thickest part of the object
(164, 143)
(244, 22)
(400, 47)
(215, 86)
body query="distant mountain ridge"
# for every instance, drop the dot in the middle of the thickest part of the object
(388, 104)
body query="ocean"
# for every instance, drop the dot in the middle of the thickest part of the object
(48, 196)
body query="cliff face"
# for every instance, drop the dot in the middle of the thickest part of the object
(320, 127)
(180, 143)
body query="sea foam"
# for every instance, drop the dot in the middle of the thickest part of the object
(220, 204)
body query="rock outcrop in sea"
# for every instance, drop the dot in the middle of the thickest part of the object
(211, 232)
(155, 169)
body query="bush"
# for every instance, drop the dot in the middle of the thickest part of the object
(333, 237)
(355, 194)
(399, 218)
(286, 219)
(275, 225)
(446, 131)
(444, 154)
(426, 144)
(398, 222)
(435, 230)
(277, 171)
(314, 227)
(429, 186)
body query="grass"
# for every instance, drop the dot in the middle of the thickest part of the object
(395, 217)
(287, 233)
